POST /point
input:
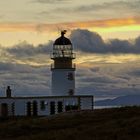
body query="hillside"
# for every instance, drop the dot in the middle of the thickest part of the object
(105, 124)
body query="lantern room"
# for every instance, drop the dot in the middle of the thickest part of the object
(62, 52)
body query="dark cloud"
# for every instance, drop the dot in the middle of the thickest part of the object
(109, 80)
(24, 49)
(92, 42)
(83, 41)
(120, 46)
(135, 72)
(100, 80)
(25, 80)
(87, 41)
(13, 67)
(137, 42)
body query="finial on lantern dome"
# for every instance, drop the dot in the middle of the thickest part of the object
(63, 32)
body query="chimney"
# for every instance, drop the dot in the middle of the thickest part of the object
(8, 92)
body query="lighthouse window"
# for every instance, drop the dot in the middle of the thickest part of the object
(42, 105)
(70, 76)
(71, 92)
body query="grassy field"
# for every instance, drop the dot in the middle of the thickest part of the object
(106, 124)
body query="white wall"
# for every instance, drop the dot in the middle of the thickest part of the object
(21, 104)
(60, 83)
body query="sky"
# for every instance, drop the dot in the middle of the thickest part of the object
(38, 21)
(105, 35)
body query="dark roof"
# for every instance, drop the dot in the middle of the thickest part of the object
(41, 97)
(62, 41)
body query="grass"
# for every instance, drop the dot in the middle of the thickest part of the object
(105, 124)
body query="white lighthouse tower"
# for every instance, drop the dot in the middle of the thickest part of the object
(63, 69)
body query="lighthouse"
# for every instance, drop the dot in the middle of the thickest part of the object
(63, 96)
(63, 69)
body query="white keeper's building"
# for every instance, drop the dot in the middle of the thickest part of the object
(63, 88)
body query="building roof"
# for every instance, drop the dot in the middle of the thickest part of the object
(42, 97)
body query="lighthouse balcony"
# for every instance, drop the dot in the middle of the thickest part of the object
(73, 66)
(61, 55)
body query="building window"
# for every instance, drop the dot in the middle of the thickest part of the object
(35, 108)
(71, 92)
(29, 109)
(13, 108)
(60, 106)
(70, 76)
(52, 108)
(42, 105)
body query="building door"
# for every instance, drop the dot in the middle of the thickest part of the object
(52, 108)
(29, 109)
(4, 110)
(60, 107)
(68, 107)
(35, 109)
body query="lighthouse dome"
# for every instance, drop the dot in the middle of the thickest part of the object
(62, 48)
(62, 40)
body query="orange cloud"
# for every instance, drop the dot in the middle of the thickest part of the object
(33, 27)
(108, 23)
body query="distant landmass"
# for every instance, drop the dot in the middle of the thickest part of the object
(128, 100)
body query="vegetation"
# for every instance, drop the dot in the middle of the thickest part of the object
(105, 124)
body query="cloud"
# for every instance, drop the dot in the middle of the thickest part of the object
(24, 80)
(129, 6)
(135, 72)
(132, 6)
(53, 27)
(50, 1)
(102, 80)
(137, 42)
(16, 68)
(85, 44)
(92, 42)
(102, 10)
(25, 53)
(25, 49)
(87, 41)
(109, 80)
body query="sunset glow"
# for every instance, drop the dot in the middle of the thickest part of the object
(45, 32)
